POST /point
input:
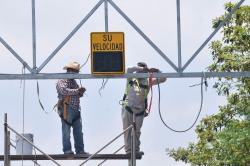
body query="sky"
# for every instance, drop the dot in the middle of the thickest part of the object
(101, 114)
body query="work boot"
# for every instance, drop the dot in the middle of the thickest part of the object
(69, 152)
(83, 153)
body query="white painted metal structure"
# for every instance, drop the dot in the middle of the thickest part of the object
(35, 71)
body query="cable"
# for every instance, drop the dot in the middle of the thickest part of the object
(85, 61)
(38, 95)
(104, 82)
(82, 67)
(197, 117)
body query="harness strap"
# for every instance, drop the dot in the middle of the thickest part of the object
(131, 83)
(142, 113)
(65, 107)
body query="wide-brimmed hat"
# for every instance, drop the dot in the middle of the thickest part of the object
(72, 65)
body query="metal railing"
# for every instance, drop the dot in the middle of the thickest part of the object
(113, 153)
(7, 144)
(133, 158)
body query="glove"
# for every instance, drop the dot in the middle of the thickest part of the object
(81, 91)
(142, 64)
(153, 70)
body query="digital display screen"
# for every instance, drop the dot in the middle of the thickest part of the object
(108, 62)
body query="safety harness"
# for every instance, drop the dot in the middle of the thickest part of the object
(65, 107)
(62, 108)
(134, 83)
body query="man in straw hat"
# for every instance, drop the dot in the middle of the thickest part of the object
(69, 94)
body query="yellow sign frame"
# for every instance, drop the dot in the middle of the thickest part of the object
(107, 42)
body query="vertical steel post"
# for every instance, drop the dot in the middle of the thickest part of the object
(106, 16)
(6, 157)
(34, 34)
(8, 146)
(179, 35)
(133, 156)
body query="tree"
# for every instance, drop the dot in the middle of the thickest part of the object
(224, 138)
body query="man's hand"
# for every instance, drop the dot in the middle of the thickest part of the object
(153, 70)
(81, 90)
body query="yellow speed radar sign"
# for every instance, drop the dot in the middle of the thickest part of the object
(107, 53)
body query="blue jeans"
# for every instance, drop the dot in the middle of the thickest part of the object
(73, 120)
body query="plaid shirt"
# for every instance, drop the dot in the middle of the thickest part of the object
(69, 87)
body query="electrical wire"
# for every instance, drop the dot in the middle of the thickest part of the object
(104, 82)
(85, 62)
(197, 117)
(38, 95)
(82, 67)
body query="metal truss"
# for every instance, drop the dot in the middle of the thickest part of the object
(35, 71)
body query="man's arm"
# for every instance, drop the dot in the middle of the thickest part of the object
(134, 69)
(160, 80)
(62, 88)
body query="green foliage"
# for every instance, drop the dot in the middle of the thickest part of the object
(232, 52)
(224, 138)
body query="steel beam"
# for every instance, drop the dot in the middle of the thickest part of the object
(34, 34)
(6, 150)
(71, 157)
(129, 75)
(133, 145)
(8, 147)
(106, 16)
(179, 34)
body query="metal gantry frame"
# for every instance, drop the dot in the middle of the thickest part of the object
(7, 157)
(35, 71)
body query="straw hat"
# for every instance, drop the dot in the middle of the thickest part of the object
(72, 65)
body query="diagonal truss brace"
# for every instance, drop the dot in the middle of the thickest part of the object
(179, 69)
(70, 35)
(229, 15)
(6, 45)
(106, 29)
(142, 34)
